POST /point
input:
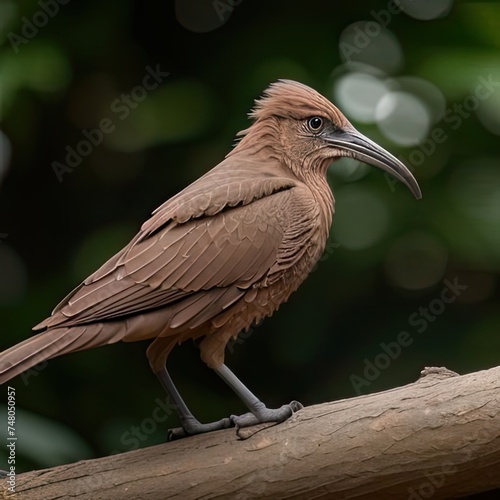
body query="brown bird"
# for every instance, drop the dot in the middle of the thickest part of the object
(222, 254)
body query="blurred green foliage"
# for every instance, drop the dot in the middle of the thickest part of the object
(388, 253)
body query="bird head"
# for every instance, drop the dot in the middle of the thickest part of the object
(308, 133)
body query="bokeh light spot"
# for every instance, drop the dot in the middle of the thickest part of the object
(425, 10)
(358, 94)
(489, 113)
(369, 43)
(402, 118)
(429, 94)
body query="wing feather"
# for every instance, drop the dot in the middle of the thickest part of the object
(194, 243)
(195, 312)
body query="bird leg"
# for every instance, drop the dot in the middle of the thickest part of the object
(259, 412)
(190, 425)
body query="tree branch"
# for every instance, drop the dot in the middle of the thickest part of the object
(439, 437)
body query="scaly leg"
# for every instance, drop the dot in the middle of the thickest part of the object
(259, 412)
(190, 425)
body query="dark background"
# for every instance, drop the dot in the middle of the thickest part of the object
(67, 76)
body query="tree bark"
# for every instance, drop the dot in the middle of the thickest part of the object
(438, 437)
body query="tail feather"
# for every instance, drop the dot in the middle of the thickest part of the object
(182, 320)
(54, 342)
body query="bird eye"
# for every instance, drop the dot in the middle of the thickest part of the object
(315, 123)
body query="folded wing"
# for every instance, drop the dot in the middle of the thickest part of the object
(198, 254)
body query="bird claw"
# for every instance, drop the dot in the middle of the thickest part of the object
(192, 427)
(264, 414)
(177, 433)
(296, 406)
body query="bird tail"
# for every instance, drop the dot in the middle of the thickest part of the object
(51, 343)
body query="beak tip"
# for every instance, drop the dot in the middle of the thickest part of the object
(417, 192)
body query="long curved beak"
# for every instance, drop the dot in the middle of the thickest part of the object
(367, 151)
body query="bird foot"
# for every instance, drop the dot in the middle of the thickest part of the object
(192, 426)
(263, 414)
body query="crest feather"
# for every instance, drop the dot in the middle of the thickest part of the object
(290, 99)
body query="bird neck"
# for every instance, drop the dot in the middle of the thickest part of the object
(259, 141)
(317, 181)
(313, 175)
